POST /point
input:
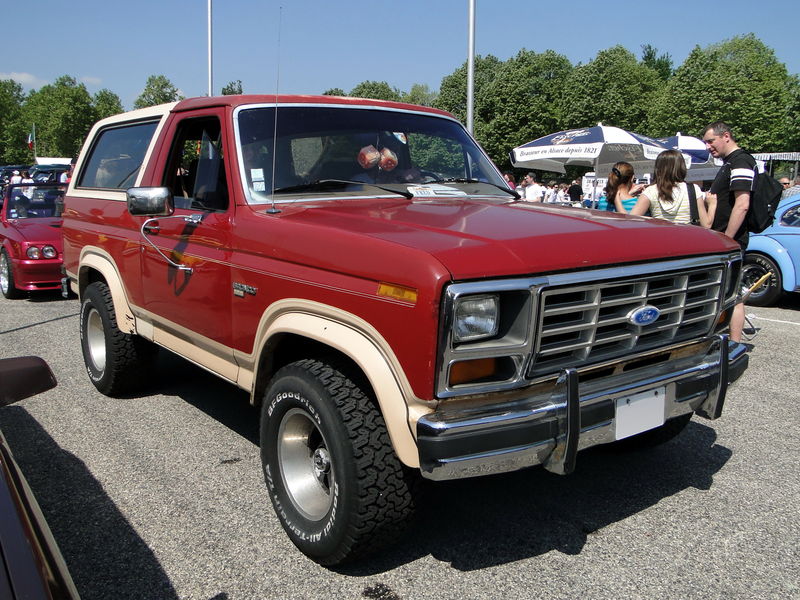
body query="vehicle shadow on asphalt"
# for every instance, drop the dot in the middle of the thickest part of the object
(477, 523)
(220, 400)
(50, 296)
(789, 301)
(84, 520)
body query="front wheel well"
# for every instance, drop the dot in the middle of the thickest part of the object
(88, 276)
(286, 348)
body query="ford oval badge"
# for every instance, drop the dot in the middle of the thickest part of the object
(644, 315)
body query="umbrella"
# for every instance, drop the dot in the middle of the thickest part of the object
(694, 147)
(598, 147)
(703, 166)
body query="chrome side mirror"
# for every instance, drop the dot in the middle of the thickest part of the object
(150, 201)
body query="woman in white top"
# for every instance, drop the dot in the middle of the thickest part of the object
(668, 198)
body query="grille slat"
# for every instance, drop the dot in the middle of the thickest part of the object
(584, 324)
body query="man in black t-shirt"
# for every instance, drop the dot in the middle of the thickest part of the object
(732, 186)
(575, 192)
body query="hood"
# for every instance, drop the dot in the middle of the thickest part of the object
(46, 230)
(485, 238)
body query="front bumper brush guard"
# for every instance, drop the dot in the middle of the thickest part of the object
(567, 394)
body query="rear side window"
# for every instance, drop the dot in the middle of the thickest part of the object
(117, 156)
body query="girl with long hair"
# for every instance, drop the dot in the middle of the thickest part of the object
(668, 198)
(620, 191)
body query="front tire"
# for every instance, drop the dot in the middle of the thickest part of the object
(337, 486)
(7, 285)
(115, 361)
(755, 267)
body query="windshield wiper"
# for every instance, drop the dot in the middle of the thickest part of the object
(467, 180)
(326, 184)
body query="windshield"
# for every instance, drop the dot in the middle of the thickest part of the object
(363, 151)
(34, 201)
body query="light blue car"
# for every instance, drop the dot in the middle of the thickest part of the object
(776, 249)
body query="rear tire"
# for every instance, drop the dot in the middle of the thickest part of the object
(334, 480)
(7, 285)
(755, 267)
(115, 361)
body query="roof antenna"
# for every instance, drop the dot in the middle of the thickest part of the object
(272, 210)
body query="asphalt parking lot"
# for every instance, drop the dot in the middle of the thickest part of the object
(161, 496)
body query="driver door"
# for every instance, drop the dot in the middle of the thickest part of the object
(191, 302)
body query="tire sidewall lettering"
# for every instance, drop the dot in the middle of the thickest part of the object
(300, 528)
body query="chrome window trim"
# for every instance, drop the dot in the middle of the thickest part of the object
(237, 139)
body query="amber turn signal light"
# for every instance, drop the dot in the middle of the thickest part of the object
(398, 292)
(466, 371)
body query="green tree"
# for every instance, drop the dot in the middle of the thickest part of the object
(420, 94)
(232, 87)
(334, 92)
(157, 90)
(63, 114)
(614, 89)
(453, 89)
(106, 103)
(379, 90)
(521, 103)
(660, 64)
(739, 81)
(12, 130)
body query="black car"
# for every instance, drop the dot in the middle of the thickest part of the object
(31, 565)
(48, 173)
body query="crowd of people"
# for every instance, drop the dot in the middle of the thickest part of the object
(722, 207)
(531, 190)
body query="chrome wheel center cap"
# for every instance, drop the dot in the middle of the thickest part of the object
(322, 461)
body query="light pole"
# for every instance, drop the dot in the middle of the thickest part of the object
(210, 71)
(471, 65)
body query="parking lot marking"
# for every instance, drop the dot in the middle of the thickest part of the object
(752, 316)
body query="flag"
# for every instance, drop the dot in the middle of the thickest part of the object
(32, 138)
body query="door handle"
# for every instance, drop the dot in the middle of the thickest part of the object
(152, 229)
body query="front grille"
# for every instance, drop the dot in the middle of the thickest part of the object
(586, 324)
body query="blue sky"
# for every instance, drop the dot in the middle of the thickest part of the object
(339, 43)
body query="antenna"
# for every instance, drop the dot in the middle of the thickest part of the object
(272, 210)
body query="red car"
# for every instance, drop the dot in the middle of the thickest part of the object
(31, 565)
(30, 235)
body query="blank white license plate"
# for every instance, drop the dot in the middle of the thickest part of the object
(640, 412)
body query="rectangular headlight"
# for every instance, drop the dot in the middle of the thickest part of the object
(476, 317)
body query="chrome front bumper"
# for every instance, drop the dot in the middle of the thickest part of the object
(549, 427)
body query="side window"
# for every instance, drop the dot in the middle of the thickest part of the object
(196, 169)
(437, 155)
(791, 217)
(117, 156)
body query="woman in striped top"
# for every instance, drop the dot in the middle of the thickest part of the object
(668, 198)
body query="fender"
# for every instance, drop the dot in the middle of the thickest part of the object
(764, 244)
(358, 340)
(98, 259)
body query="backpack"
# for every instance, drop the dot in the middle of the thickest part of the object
(764, 200)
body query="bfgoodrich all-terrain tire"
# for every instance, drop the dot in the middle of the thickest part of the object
(115, 361)
(337, 486)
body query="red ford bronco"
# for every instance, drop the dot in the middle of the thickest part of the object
(362, 269)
